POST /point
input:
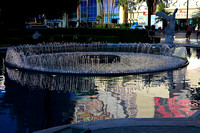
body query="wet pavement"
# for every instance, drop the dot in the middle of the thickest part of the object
(144, 125)
(180, 38)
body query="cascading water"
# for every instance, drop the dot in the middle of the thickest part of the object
(97, 58)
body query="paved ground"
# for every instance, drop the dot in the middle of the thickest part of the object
(144, 125)
(180, 39)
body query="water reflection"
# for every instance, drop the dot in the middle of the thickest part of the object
(198, 53)
(193, 69)
(37, 109)
(34, 101)
(132, 96)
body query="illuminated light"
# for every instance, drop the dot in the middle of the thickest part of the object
(53, 75)
(194, 63)
(16, 69)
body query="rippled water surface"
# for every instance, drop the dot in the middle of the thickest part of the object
(34, 101)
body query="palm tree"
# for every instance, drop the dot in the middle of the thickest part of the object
(151, 8)
(196, 19)
(161, 8)
(79, 16)
(100, 2)
(87, 10)
(124, 5)
(108, 14)
(104, 8)
(150, 11)
(113, 8)
(110, 9)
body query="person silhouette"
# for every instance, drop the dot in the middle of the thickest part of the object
(189, 31)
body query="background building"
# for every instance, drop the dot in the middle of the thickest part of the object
(136, 13)
(141, 10)
(181, 15)
(109, 10)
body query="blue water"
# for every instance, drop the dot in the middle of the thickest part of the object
(33, 101)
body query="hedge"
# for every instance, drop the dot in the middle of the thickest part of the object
(77, 35)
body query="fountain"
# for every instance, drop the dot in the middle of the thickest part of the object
(101, 59)
(120, 93)
(97, 59)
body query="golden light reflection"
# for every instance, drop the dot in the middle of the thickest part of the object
(53, 75)
(2, 84)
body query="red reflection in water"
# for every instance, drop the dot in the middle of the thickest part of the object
(172, 107)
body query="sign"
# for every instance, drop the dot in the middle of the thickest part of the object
(144, 13)
(143, 20)
(182, 13)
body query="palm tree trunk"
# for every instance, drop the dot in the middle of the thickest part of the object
(79, 15)
(101, 11)
(104, 11)
(114, 8)
(149, 17)
(124, 14)
(108, 14)
(111, 10)
(66, 20)
(87, 10)
(150, 7)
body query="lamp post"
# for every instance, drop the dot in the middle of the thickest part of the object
(150, 10)
(187, 10)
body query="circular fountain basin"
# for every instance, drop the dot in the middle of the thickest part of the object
(97, 59)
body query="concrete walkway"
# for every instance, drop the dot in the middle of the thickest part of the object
(130, 125)
(180, 39)
(144, 125)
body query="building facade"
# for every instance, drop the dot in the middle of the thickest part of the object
(141, 9)
(136, 13)
(109, 10)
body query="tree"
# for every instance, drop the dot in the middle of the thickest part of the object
(104, 8)
(87, 11)
(161, 8)
(151, 4)
(124, 5)
(196, 19)
(79, 15)
(108, 14)
(100, 2)
(113, 8)
(99, 18)
(150, 11)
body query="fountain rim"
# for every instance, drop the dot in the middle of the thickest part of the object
(9, 65)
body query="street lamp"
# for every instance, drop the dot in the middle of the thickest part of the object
(187, 10)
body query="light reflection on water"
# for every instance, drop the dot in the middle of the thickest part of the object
(34, 101)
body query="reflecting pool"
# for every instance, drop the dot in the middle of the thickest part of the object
(31, 101)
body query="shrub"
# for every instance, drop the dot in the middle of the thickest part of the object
(112, 35)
